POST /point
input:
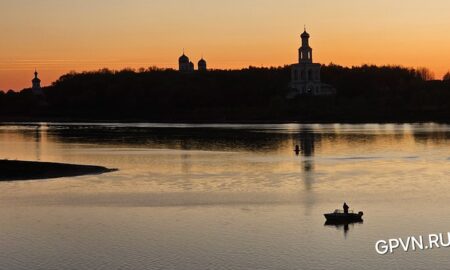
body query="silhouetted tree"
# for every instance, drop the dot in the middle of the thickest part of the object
(446, 76)
(365, 93)
(425, 74)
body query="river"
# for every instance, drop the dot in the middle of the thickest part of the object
(225, 196)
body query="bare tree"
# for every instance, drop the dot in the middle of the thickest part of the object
(446, 76)
(425, 74)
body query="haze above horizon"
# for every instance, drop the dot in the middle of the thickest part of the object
(58, 36)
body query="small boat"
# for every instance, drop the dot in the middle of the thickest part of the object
(340, 217)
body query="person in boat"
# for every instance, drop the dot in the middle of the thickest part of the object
(346, 207)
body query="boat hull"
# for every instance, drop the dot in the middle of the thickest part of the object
(343, 218)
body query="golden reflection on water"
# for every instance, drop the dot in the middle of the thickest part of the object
(371, 158)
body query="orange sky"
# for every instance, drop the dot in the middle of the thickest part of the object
(58, 36)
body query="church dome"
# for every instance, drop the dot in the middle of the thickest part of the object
(183, 59)
(202, 65)
(202, 62)
(305, 34)
(36, 79)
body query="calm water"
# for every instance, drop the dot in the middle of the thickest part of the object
(225, 196)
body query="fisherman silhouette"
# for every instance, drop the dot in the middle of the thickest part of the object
(345, 208)
(297, 150)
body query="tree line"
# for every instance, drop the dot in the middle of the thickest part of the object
(364, 93)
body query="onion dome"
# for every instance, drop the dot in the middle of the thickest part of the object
(183, 59)
(36, 79)
(305, 34)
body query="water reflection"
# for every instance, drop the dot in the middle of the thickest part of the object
(187, 185)
(343, 226)
(189, 138)
(236, 157)
(37, 140)
(307, 144)
(256, 138)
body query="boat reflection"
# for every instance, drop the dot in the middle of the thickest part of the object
(345, 226)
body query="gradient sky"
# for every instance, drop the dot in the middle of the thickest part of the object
(58, 36)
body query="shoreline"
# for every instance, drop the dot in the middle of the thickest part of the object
(17, 170)
(24, 120)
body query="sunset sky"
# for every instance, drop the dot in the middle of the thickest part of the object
(58, 36)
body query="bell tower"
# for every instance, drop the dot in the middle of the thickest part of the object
(36, 84)
(305, 51)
